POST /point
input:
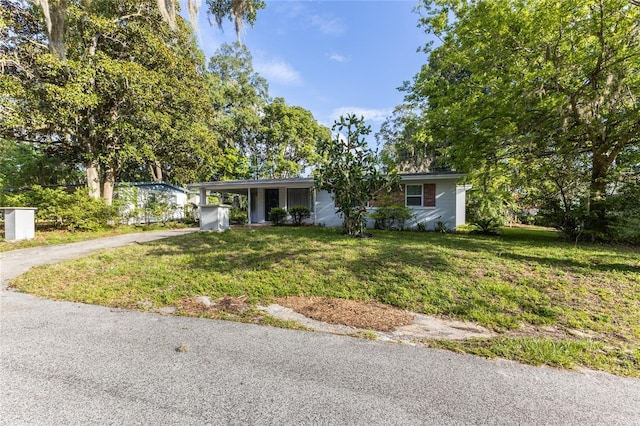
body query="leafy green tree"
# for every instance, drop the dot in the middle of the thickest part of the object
(55, 13)
(26, 165)
(240, 96)
(126, 95)
(287, 140)
(533, 80)
(406, 142)
(351, 171)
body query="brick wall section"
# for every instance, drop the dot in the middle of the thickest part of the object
(395, 197)
(429, 195)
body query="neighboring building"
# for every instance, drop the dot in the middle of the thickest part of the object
(155, 201)
(433, 197)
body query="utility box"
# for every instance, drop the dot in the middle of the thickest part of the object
(214, 217)
(19, 223)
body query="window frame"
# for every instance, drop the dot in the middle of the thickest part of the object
(407, 196)
(310, 201)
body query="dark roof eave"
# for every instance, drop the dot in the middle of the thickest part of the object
(304, 182)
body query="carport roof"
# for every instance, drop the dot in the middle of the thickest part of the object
(230, 185)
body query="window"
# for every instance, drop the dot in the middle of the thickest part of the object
(414, 195)
(299, 197)
(421, 195)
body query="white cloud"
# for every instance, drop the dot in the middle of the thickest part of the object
(371, 115)
(327, 25)
(337, 57)
(278, 71)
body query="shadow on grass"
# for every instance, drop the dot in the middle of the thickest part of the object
(391, 250)
(416, 271)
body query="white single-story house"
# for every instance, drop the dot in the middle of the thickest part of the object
(433, 197)
(140, 197)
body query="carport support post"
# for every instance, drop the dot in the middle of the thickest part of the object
(315, 207)
(203, 200)
(249, 205)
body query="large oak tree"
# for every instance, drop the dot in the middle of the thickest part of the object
(552, 83)
(128, 92)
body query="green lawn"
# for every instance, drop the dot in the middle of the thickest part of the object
(523, 279)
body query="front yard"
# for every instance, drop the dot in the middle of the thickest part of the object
(552, 302)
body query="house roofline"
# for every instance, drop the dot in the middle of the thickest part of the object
(227, 185)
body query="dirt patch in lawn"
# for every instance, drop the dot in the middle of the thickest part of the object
(369, 314)
(340, 316)
(203, 305)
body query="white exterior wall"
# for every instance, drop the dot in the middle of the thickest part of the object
(181, 199)
(326, 213)
(258, 213)
(444, 211)
(449, 204)
(461, 204)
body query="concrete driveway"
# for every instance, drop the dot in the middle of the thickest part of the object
(68, 363)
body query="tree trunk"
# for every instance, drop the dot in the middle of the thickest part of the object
(93, 179)
(596, 221)
(156, 171)
(108, 185)
(93, 166)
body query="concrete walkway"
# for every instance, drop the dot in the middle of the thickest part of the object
(68, 363)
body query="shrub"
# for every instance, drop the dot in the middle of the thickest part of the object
(298, 214)
(62, 210)
(238, 216)
(441, 227)
(157, 206)
(487, 215)
(487, 226)
(391, 217)
(278, 215)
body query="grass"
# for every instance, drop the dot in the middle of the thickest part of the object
(53, 237)
(522, 280)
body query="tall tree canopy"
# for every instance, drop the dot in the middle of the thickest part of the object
(55, 14)
(127, 94)
(274, 139)
(551, 84)
(288, 139)
(241, 96)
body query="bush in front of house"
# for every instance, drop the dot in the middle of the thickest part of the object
(238, 216)
(391, 217)
(298, 214)
(58, 209)
(278, 215)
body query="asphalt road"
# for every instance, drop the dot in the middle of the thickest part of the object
(64, 363)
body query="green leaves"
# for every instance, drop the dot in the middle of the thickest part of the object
(351, 171)
(541, 80)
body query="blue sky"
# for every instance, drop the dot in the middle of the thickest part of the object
(332, 57)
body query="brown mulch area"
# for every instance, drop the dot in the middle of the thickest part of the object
(369, 314)
(355, 313)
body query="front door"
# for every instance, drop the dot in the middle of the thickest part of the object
(271, 200)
